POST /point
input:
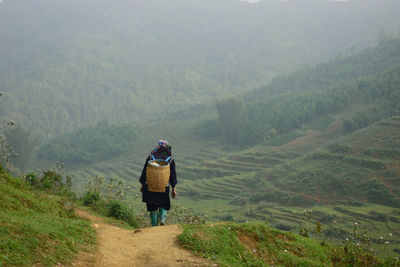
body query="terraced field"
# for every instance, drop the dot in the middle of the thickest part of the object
(275, 183)
(203, 174)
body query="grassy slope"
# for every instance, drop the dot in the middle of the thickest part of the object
(36, 228)
(362, 166)
(257, 244)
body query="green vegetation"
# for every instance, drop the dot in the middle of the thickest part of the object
(108, 198)
(90, 144)
(70, 63)
(285, 105)
(256, 244)
(38, 228)
(264, 182)
(283, 139)
(371, 61)
(22, 143)
(323, 138)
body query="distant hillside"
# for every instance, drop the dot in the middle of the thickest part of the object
(37, 228)
(68, 63)
(316, 167)
(363, 166)
(368, 62)
(367, 84)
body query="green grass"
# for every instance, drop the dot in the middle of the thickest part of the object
(257, 244)
(36, 228)
(320, 123)
(284, 138)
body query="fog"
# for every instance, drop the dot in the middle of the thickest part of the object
(267, 103)
(84, 61)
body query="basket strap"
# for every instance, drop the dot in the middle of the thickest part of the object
(167, 159)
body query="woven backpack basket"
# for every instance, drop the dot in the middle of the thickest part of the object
(157, 176)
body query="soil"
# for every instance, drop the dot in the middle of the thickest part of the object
(152, 246)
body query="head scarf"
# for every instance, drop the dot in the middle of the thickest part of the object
(162, 145)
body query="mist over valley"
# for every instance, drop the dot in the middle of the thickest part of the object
(276, 111)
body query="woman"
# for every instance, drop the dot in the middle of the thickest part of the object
(158, 202)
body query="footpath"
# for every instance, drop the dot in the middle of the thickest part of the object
(152, 246)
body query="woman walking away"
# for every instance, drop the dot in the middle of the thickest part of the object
(157, 177)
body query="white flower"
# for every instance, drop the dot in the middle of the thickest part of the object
(358, 244)
(347, 239)
(390, 234)
(355, 223)
(285, 250)
(387, 243)
(254, 251)
(381, 237)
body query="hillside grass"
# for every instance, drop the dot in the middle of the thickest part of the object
(37, 228)
(257, 244)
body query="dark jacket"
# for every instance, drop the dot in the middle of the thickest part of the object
(158, 198)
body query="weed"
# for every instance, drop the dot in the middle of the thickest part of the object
(179, 214)
(109, 198)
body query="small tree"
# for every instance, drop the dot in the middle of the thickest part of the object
(230, 112)
(22, 142)
(6, 152)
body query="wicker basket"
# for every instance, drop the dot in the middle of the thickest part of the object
(157, 176)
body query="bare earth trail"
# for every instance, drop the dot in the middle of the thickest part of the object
(152, 246)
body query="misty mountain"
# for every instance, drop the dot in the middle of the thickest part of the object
(69, 63)
(365, 86)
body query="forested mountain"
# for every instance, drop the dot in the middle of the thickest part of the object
(370, 61)
(65, 64)
(367, 85)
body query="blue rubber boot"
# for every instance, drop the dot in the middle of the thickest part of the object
(154, 218)
(163, 216)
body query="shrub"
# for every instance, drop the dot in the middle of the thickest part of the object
(117, 210)
(122, 211)
(90, 198)
(179, 214)
(284, 227)
(51, 181)
(339, 148)
(32, 179)
(380, 217)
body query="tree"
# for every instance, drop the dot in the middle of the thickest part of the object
(230, 118)
(22, 142)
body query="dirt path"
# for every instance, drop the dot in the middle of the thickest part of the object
(153, 246)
